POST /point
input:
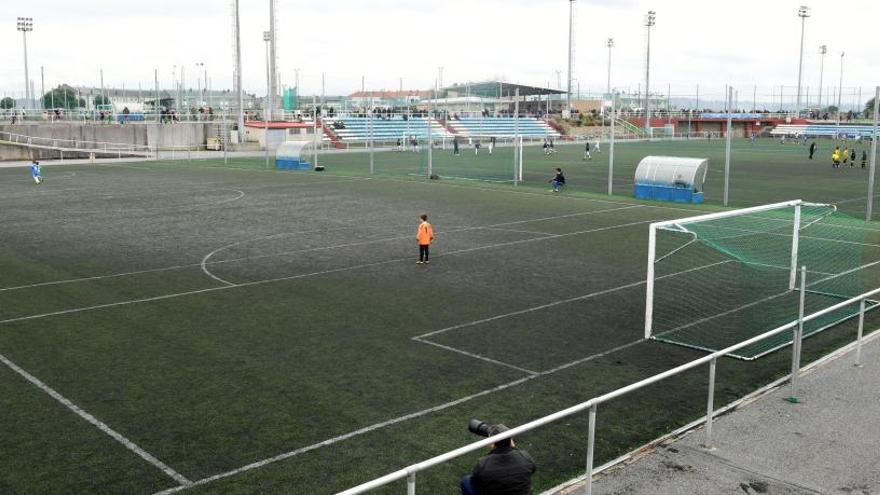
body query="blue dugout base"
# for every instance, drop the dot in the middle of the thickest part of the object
(292, 165)
(666, 193)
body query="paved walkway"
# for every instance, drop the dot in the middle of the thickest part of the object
(829, 443)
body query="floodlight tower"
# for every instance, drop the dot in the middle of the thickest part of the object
(25, 25)
(839, 94)
(273, 70)
(610, 44)
(571, 8)
(201, 65)
(803, 13)
(822, 51)
(267, 37)
(236, 28)
(650, 20)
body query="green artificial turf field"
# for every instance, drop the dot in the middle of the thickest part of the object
(253, 331)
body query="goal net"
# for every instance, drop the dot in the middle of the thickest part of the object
(719, 279)
(474, 157)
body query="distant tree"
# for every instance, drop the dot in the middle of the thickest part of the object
(869, 108)
(831, 109)
(64, 96)
(7, 103)
(101, 100)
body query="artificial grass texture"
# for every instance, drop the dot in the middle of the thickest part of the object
(220, 377)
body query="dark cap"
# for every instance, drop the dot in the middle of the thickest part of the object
(497, 429)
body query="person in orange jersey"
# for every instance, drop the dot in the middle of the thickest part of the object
(425, 236)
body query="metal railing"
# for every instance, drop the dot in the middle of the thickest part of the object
(410, 472)
(74, 144)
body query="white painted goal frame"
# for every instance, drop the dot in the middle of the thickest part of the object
(652, 245)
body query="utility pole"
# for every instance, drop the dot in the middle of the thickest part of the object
(650, 20)
(273, 70)
(238, 88)
(267, 110)
(25, 25)
(803, 13)
(822, 51)
(839, 96)
(610, 44)
(571, 6)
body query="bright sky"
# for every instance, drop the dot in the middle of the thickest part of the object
(709, 42)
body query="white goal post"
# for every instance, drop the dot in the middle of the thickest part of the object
(680, 224)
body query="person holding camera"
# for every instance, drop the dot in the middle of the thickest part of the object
(507, 470)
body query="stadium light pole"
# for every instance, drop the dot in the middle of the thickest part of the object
(839, 96)
(874, 137)
(273, 58)
(267, 36)
(237, 69)
(803, 13)
(610, 44)
(25, 25)
(571, 6)
(201, 65)
(650, 20)
(823, 49)
(727, 144)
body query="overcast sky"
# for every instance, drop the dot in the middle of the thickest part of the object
(709, 42)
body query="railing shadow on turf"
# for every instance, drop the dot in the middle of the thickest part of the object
(796, 327)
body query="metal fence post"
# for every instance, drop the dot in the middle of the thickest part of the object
(591, 448)
(798, 339)
(861, 332)
(710, 403)
(411, 484)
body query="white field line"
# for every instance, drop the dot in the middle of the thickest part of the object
(97, 277)
(603, 292)
(768, 298)
(400, 419)
(476, 356)
(117, 211)
(206, 262)
(518, 231)
(747, 232)
(305, 275)
(786, 268)
(529, 193)
(128, 444)
(531, 375)
(125, 210)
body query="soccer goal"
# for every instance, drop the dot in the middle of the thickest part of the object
(475, 157)
(719, 279)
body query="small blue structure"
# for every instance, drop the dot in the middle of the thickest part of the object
(290, 155)
(671, 178)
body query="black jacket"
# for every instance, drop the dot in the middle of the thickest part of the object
(505, 471)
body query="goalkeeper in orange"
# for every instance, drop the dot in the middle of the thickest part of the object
(425, 236)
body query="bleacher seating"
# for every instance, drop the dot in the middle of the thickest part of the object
(823, 130)
(387, 129)
(501, 127)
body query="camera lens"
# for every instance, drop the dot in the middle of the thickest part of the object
(478, 427)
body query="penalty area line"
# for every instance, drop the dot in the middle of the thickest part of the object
(393, 421)
(128, 444)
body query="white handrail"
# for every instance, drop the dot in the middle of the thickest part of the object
(76, 143)
(410, 471)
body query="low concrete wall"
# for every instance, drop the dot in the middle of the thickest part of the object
(167, 135)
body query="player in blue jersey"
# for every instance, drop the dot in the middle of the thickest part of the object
(36, 172)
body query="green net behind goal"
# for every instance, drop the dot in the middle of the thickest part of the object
(720, 281)
(485, 158)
